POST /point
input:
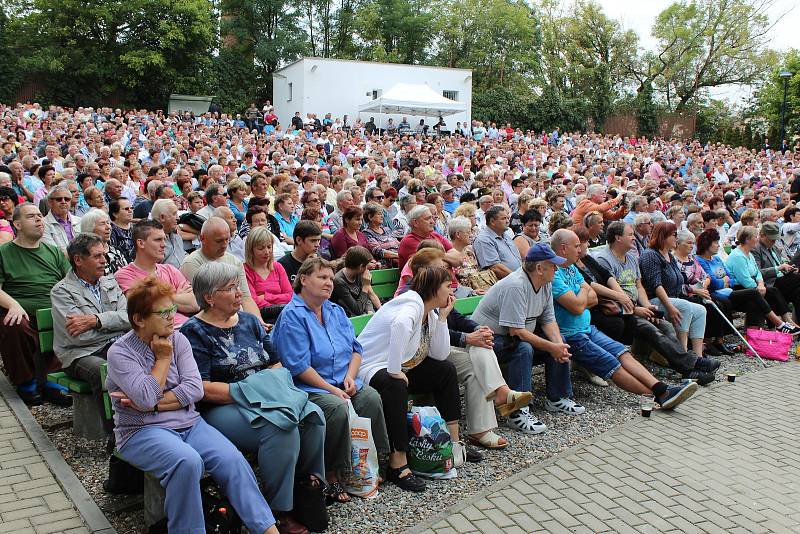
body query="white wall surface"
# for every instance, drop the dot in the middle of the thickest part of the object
(339, 87)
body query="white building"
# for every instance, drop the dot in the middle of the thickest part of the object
(340, 87)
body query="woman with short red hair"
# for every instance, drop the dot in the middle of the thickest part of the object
(664, 282)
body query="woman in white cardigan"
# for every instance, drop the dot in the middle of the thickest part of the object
(406, 345)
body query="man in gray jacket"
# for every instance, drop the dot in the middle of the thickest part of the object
(89, 312)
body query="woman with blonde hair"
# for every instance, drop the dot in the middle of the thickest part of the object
(269, 285)
(237, 199)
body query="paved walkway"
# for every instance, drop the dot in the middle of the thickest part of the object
(31, 501)
(727, 461)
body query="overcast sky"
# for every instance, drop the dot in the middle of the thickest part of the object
(639, 16)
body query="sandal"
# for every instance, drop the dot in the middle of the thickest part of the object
(410, 482)
(489, 440)
(335, 492)
(515, 401)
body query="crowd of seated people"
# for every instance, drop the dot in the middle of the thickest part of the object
(214, 268)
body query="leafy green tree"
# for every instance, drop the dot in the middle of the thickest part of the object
(395, 30)
(498, 39)
(704, 44)
(769, 99)
(84, 51)
(502, 105)
(9, 74)
(646, 112)
(258, 36)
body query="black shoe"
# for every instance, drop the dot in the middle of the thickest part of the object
(57, 396)
(723, 349)
(703, 378)
(712, 350)
(410, 482)
(474, 456)
(732, 348)
(709, 365)
(31, 398)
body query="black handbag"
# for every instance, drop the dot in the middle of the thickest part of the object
(309, 503)
(218, 514)
(123, 478)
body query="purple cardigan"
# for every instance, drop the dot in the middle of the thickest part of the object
(129, 364)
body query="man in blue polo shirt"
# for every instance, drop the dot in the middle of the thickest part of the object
(591, 348)
(493, 246)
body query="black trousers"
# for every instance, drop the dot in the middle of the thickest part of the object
(430, 376)
(789, 287)
(749, 301)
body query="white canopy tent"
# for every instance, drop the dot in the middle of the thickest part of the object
(413, 99)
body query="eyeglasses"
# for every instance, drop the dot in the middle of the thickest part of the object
(61, 199)
(230, 289)
(166, 313)
(4, 198)
(378, 197)
(129, 208)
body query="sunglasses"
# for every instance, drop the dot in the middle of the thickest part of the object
(4, 198)
(166, 313)
(381, 197)
(61, 199)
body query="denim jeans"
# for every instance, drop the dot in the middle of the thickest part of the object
(596, 351)
(521, 356)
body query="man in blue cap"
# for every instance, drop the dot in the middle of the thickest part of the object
(519, 310)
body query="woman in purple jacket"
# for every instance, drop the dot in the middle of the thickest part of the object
(154, 382)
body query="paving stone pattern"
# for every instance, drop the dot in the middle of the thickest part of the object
(31, 501)
(726, 461)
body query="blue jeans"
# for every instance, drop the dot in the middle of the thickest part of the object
(178, 459)
(281, 453)
(596, 351)
(521, 356)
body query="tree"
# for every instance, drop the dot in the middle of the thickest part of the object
(146, 49)
(705, 44)
(9, 72)
(498, 39)
(395, 30)
(258, 36)
(769, 100)
(646, 112)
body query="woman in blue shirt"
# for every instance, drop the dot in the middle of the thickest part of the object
(231, 348)
(746, 275)
(728, 299)
(316, 343)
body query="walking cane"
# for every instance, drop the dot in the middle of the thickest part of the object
(713, 305)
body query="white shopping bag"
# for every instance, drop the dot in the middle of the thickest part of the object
(363, 479)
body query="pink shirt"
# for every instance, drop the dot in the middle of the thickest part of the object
(269, 291)
(130, 274)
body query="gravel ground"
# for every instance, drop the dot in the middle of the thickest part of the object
(392, 510)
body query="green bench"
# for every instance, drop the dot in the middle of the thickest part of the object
(384, 282)
(465, 306)
(86, 421)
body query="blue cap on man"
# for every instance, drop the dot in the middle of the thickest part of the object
(543, 252)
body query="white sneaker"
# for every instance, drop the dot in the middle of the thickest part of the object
(459, 453)
(564, 405)
(524, 421)
(591, 377)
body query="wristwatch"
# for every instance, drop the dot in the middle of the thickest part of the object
(97, 323)
(155, 408)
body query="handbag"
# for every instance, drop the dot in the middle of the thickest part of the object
(123, 478)
(218, 513)
(362, 481)
(482, 280)
(309, 503)
(770, 344)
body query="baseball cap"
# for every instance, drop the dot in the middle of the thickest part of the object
(543, 252)
(445, 188)
(771, 230)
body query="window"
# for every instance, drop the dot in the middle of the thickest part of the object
(452, 95)
(376, 93)
(290, 93)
